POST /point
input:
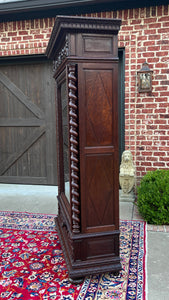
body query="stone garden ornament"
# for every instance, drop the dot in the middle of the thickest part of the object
(127, 172)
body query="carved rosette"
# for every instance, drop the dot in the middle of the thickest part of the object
(74, 153)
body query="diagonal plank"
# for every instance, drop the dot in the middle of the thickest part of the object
(21, 96)
(38, 132)
(20, 122)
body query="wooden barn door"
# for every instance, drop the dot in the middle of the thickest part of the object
(27, 124)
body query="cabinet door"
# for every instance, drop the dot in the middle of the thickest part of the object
(98, 125)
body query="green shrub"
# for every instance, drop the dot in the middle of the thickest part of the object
(153, 197)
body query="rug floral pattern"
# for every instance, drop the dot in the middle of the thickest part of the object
(32, 264)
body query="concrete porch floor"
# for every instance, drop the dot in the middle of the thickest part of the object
(42, 199)
(28, 198)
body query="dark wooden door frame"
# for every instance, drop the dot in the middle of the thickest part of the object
(121, 101)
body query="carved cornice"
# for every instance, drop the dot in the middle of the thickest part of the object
(67, 24)
(74, 152)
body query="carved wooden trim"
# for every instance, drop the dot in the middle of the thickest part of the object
(64, 24)
(62, 55)
(74, 152)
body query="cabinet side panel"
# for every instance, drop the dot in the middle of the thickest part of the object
(99, 186)
(98, 94)
(99, 147)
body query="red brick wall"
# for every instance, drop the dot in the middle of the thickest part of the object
(25, 37)
(145, 36)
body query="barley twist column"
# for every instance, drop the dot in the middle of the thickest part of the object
(74, 152)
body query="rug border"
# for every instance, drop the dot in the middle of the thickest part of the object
(145, 285)
(145, 262)
(27, 212)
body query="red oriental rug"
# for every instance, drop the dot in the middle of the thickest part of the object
(33, 267)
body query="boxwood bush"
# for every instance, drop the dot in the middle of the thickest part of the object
(153, 197)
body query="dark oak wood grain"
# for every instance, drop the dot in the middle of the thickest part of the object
(85, 54)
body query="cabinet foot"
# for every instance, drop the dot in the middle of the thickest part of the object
(76, 280)
(116, 273)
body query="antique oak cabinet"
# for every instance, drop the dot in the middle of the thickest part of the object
(85, 55)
